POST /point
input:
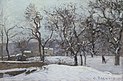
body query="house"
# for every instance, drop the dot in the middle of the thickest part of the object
(33, 47)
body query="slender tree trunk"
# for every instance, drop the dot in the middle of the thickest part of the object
(1, 51)
(103, 59)
(75, 60)
(81, 59)
(40, 49)
(2, 45)
(92, 42)
(66, 53)
(93, 49)
(117, 55)
(92, 55)
(43, 51)
(7, 50)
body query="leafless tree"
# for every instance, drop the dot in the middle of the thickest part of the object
(6, 32)
(66, 24)
(34, 18)
(9, 35)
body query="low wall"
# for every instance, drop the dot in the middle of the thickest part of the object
(19, 64)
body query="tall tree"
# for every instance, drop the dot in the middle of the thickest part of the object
(9, 35)
(6, 32)
(34, 18)
(67, 25)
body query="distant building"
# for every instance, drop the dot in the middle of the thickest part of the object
(35, 50)
(48, 51)
(30, 51)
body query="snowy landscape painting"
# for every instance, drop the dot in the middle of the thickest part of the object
(61, 40)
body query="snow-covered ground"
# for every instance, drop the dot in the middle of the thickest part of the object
(55, 72)
(94, 62)
(93, 71)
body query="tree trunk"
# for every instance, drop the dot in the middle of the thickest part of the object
(7, 50)
(2, 45)
(93, 45)
(93, 49)
(117, 59)
(81, 59)
(40, 49)
(2, 52)
(75, 60)
(66, 53)
(40, 52)
(92, 55)
(103, 59)
(43, 51)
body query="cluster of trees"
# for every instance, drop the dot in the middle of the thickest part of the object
(102, 27)
(108, 18)
(6, 34)
(99, 29)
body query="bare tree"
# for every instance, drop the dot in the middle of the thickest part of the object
(6, 32)
(66, 24)
(34, 18)
(9, 35)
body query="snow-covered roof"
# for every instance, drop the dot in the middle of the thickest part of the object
(20, 54)
(48, 48)
(27, 51)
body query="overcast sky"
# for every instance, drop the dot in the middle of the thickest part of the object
(14, 9)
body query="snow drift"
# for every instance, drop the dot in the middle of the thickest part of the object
(55, 72)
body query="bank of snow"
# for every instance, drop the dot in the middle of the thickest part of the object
(94, 62)
(65, 73)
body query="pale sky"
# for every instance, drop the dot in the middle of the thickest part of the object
(14, 9)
